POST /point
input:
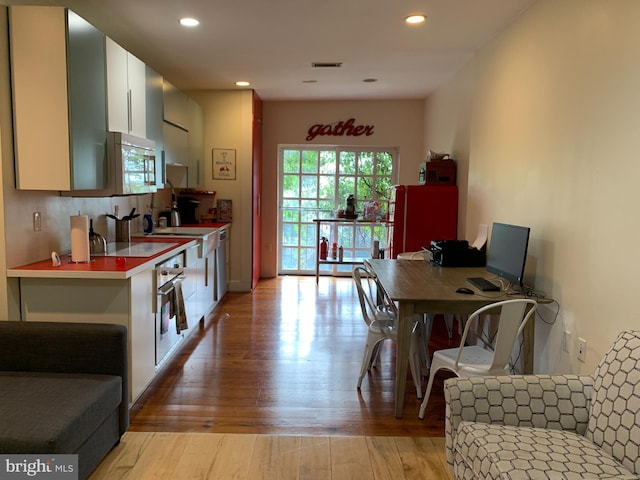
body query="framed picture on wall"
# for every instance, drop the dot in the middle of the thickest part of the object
(224, 164)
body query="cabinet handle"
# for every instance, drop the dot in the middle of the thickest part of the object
(129, 117)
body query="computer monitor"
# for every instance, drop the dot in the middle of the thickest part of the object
(508, 251)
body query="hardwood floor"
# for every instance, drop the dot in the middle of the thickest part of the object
(284, 360)
(223, 456)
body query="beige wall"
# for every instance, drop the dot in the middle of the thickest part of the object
(551, 141)
(228, 116)
(396, 124)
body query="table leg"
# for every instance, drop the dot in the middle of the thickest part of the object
(405, 323)
(317, 251)
(529, 334)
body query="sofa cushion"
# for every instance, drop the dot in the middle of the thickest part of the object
(614, 423)
(504, 452)
(53, 413)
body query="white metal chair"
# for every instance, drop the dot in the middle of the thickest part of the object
(381, 316)
(473, 360)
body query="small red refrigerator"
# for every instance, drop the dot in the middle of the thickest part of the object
(419, 214)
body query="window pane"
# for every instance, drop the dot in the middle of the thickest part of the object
(290, 234)
(308, 235)
(290, 211)
(365, 163)
(384, 163)
(308, 258)
(347, 162)
(289, 258)
(346, 187)
(309, 186)
(327, 187)
(327, 162)
(364, 189)
(309, 161)
(291, 186)
(291, 163)
(309, 210)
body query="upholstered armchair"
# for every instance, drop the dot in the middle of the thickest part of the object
(548, 426)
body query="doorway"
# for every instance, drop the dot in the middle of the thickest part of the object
(313, 182)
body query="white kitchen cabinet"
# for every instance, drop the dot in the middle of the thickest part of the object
(127, 302)
(155, 123)
(176, 105)
(59, 99)
(141, 331)
(207, 295)
(191, 287)
(126, 91)
(176, 146)
(195, 160)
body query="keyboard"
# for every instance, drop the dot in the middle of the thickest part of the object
(483, 284)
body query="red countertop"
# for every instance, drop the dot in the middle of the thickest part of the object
(100, 266)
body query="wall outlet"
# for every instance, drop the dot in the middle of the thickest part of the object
(581, 351)
(37, 221)
(566, 340)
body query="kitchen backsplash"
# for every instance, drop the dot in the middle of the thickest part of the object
(24, 245)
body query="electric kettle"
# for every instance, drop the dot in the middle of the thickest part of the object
(97, 243)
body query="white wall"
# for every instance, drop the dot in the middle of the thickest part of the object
(550, 140)
(396, 124)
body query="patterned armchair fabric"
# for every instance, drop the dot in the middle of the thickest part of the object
(548, 426)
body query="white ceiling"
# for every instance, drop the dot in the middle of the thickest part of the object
(272, 43)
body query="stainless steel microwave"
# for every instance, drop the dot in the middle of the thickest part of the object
(133, 163)
(130, 168)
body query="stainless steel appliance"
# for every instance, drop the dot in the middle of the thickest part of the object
(221, 261)
(133, 162)
(168, 274)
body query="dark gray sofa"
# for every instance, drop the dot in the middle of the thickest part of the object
(63, 389)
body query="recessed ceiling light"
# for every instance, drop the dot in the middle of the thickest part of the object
(242, 83)
(189, 22)
(415, 19)
(370, 80)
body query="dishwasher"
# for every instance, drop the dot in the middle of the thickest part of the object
(221, 261)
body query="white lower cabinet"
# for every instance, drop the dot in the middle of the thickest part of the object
(206, 296)
(193, 281)
(130, 302)
(124, 302)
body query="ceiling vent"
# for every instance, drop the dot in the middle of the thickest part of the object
(326, 64)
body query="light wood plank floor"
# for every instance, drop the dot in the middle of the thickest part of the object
(188, 456)
(271, 379)
(285, 359)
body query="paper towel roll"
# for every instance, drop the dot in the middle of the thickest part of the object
(80, 238)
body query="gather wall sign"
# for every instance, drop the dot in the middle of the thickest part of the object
(339, 129)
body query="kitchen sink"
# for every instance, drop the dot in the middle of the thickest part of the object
(183, 231)
(209, 238)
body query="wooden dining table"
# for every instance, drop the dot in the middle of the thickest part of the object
(418, 286)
